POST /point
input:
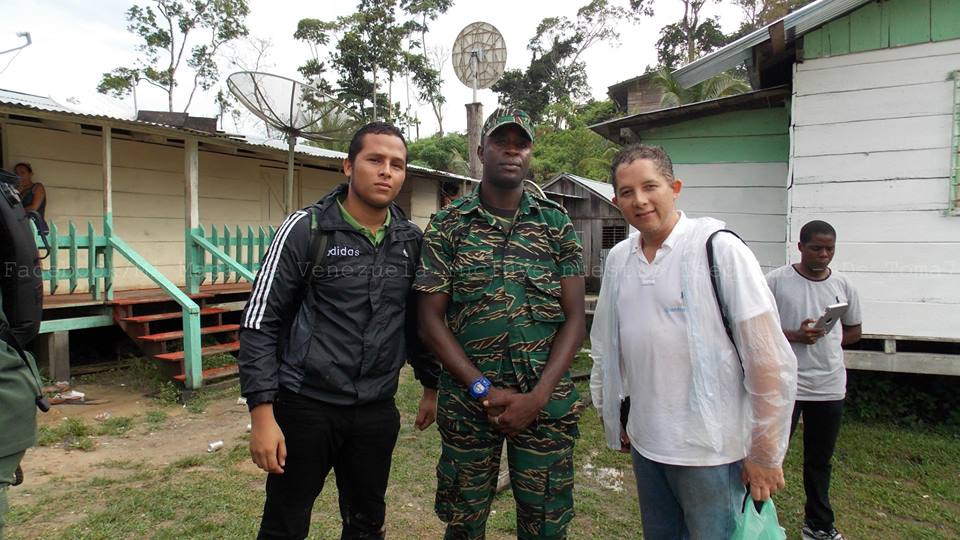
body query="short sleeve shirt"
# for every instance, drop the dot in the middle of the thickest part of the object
(821, 374)
(504, 285)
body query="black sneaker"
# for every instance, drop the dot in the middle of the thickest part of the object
(813, 534)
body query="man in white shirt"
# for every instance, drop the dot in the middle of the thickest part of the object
(704, 419)
(803, 291)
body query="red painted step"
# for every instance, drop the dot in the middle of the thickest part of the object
(168, 316)
(213, 373)
(178, 334)
(206, 351)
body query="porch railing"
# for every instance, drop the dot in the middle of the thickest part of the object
(67, 251)
(225, 255)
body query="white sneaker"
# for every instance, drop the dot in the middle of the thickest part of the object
(811, 534)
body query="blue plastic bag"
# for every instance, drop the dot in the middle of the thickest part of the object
(754, 525)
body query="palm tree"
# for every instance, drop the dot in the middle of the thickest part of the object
(721, 85)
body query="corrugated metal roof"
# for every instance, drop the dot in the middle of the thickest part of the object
(660, 117)
(601, 189)
(47, 104)
(316, 151)
(795, 25)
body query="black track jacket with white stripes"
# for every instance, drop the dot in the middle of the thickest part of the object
(351, 325)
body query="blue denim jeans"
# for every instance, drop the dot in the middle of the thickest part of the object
(678, 502)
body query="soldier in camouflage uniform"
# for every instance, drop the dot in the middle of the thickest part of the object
(502, 307)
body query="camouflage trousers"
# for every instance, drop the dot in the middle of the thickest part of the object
(540, 460)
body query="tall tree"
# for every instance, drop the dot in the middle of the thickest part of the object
(683, 41)
(557, 71)
(759, 13)
(166, 28)
(373, 44)
(424, 67)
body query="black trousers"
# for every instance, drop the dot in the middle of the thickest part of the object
(821, 427)
(355, 441)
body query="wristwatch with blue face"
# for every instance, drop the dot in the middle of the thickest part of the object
(480, 387)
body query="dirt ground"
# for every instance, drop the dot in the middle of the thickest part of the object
(181, 434)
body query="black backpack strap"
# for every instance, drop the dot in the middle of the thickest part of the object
(715, 281)
(319, 240)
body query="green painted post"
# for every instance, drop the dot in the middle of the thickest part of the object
(261, 247)
(73, 269)
(192, 355)
(92, 262)
(54, 240)
(237, 254)
(213, 260)
(193, 261)
(108, 256)
(250, 249)
(226, 249)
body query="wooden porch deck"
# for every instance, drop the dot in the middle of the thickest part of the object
(138, 296)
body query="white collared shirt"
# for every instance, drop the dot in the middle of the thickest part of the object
(670, 394)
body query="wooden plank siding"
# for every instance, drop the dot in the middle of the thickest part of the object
(734, 168)
(872, 156)
(883, 24)
(750, 197)
(148, 192)
(589, 213)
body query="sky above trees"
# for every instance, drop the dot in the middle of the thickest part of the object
(75, 42)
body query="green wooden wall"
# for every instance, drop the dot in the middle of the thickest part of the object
(755, 136)
(883, 24)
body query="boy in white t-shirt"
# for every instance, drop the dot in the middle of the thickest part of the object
(803, 291)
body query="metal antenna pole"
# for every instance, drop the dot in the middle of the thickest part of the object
(288, 185)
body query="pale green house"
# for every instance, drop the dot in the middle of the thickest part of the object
(854, 119)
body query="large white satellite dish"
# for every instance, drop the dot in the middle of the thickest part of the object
(295, 109)
(479, 56)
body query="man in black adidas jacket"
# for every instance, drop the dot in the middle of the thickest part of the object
(323, 337)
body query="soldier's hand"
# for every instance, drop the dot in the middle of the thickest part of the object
(519, 411)
(267, 446)
(427, 412)
(495, 395)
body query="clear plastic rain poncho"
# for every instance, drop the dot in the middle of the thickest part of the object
(769, 367)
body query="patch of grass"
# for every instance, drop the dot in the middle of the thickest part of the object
(581, 362)
(888, 483)
(167, 393)
(116, 426)
(189, 461)
(219, 360)
(155, 417)
(71, 433)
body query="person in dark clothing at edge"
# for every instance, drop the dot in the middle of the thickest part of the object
(323, 337)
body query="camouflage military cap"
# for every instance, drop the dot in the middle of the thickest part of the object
(504, 116)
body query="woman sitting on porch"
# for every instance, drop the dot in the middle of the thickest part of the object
(32, 194)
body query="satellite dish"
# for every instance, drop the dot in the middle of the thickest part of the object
(295, 109)
(479, 56)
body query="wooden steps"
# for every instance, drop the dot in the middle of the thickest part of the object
(178, 334)
(177, 356)
(153, 299)
(213, 374)
(155, 323)
(168, 316)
